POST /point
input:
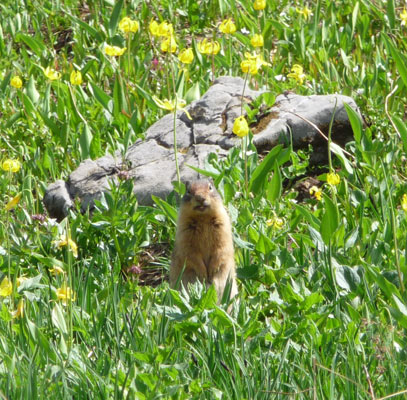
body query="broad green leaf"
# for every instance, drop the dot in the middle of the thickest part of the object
(310, 218)
(35, 44)
(402, 130)
(260, 174)
(264, 245)
(29, 106)
(337, 150)
(398, 58)
(55, 129)
(85, 140)
(355, 122)
(31, 90)
(114, 18)
(208, 300)
(347, 278)
(5, 82)
(355, 14)
(313, 298)
(204, 172)
(388, 288)
(330, 220)
(193, 93)
(92, 31)
(391, 14)
(168, 209)
(58, 319)
(101, 96)
(275, 185)
(119, 100)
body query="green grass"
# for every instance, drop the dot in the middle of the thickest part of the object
(321, 311)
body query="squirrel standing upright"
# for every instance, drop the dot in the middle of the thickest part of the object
(204, 242)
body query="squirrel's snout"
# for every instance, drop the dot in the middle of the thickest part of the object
(201, 200)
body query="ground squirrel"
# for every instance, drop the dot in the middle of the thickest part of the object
(203, 241)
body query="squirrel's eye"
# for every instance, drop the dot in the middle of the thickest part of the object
(210, 187)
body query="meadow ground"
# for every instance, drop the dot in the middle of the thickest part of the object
(322, 309)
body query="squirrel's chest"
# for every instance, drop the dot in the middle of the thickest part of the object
(203, 234)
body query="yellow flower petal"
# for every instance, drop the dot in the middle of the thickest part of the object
(16, 82)
(11, 165)
(316, 192)
(114, 51)
(127, 25)
(403, 17)
(65, 294)
(6, 287)
(169, 45)
(333, 178)
(76, 78)
(305, 12)
(153, 28)
(275, 222)
(404, 202)
(205, 47)
(297, 73)
(257, 40)
(19, 313)
(57, 270)
(13, 202)
(227, 26)
(186, 56)
(52, 74)
(259, 5)
(240, 126)
(64, 241)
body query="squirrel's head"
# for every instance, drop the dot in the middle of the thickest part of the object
(200, 195)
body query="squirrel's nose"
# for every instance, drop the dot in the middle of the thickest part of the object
(199, 198)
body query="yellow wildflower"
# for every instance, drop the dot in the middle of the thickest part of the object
(65, 294)
(16, 82)
(316, 192)
(76, 78)
(212, 47)
(240, 126)
(153, 27)
(13, 202)
(186, 56)
(333, 178)
(404, 202)
(127, 25)
(227, 26)
(305, 12)
(171, 105)
(64, 241)
(52, 74)
(257, 40)
(169, 45)
(275, 222)
(114, 51)
(11, 165)
(403, 17)
(57, 270)
(6, 287)
(20, 309)
(259, 5)
(165, 29)
(249, 66)
(252, 63)
(297, 73)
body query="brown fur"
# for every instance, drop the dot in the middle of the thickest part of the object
(203, 242)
